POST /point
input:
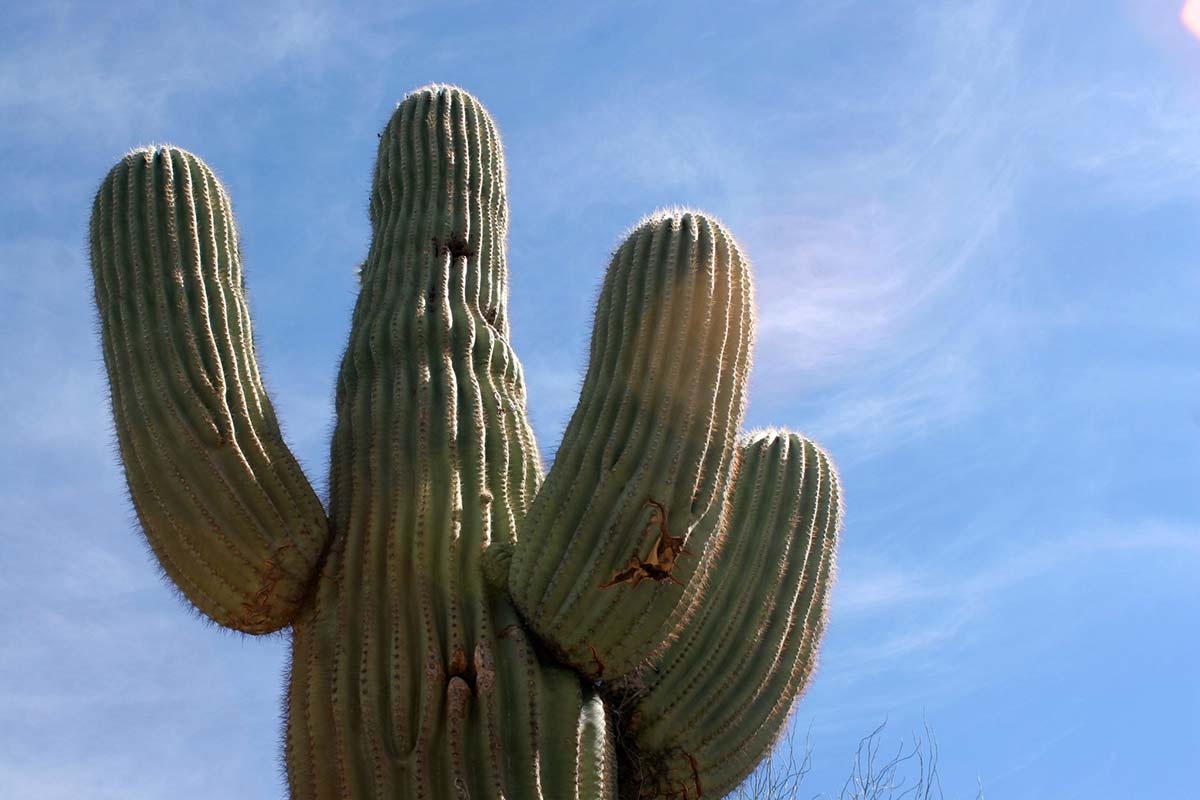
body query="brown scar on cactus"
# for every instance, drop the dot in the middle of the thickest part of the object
(695, 774)
(660, 561)
(596, 658)
(256, 611)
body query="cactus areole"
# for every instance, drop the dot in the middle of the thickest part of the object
(635, 624)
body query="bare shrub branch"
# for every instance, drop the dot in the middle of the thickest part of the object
(907, 772)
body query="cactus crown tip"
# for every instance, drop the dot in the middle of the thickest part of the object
(677, 216)
(158, 148)
(431, 93)
(436, 90)
(769, 434)
(675, 212)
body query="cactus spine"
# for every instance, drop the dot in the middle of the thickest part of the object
(636, 627)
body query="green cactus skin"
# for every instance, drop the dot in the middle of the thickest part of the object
(657, 420)
(720, 692)
(458, 628)
(597, 767)
(224, 505)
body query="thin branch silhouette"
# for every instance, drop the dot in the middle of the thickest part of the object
(908, 772)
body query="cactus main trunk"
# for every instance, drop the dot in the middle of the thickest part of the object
(410, 676)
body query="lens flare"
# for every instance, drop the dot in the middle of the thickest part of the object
(1190, 16)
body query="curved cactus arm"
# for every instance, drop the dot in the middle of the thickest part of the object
(614, 538)
(222, 501)
(708, 710)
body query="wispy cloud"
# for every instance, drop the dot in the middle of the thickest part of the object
(931, 635)
(912, 397)
(123, 70)
(50, 371)
(883, 588)
(844, 286)
(1155, 155)
(890, 310)
(842, 280)
(939, 601)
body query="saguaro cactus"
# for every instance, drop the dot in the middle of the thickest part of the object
(637, 626)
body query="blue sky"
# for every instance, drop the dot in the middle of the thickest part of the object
(974, 229)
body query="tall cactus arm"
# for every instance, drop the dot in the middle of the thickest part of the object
(708, 710)
(226, 508)
(618, 531)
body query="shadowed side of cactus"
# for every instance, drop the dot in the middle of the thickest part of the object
(460, 629)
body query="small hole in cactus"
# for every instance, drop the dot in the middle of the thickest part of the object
(458, 246)
(461, 667)
(455, 246)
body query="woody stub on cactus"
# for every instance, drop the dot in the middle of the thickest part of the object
(635, 624)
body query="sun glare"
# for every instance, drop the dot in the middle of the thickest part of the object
(1190, 16)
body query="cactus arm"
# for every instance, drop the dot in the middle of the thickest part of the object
(618, 532)
(223, 503)
(713, 703)
(596, 770)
